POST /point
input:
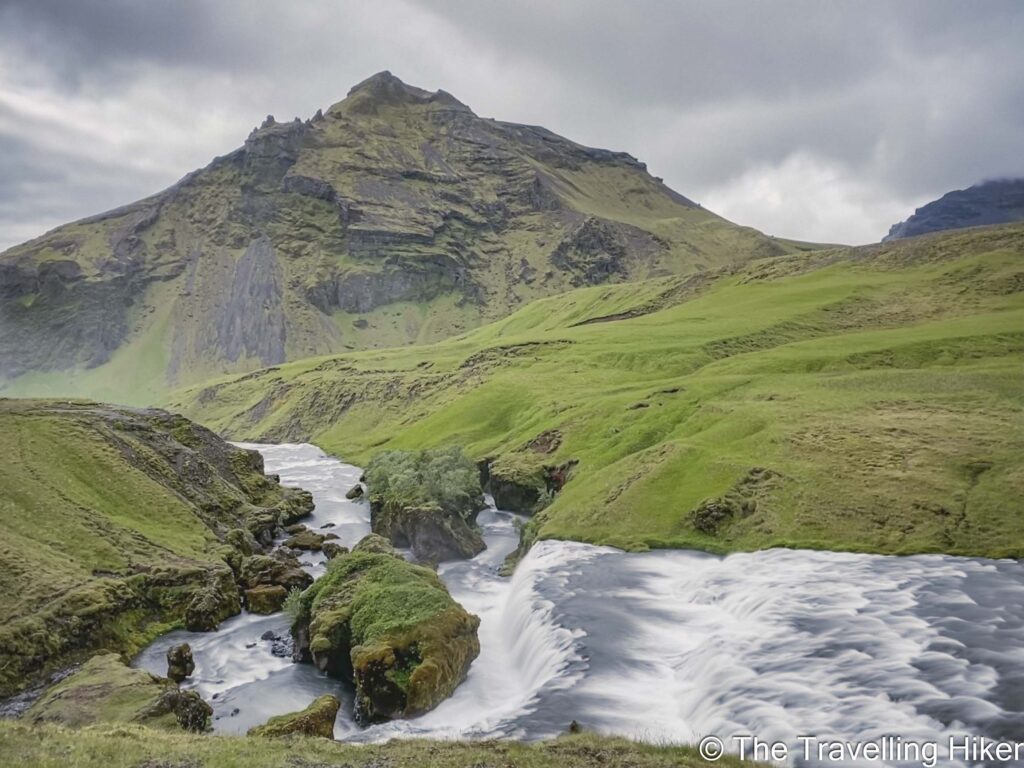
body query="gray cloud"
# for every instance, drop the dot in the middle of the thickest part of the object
(822, 121)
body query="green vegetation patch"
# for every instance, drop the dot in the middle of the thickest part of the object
(876, 391)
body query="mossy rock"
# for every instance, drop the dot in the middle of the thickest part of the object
(218, 600)
(332, 549)
(265, 599)
(105, 690)
(279, 569)
(315, 720)
(355, 492)
(180, 663)
(391, 627)
(308, 540)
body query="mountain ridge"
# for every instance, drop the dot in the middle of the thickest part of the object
(996, 201)
(397, 216)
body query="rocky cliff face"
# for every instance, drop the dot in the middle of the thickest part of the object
(397, 216)
(991, 202)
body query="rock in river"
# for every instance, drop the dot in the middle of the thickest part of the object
(391, 627)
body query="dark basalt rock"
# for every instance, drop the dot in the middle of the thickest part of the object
(331, 550)
(433, 534)
(180, 663)
(355, 492)
(991, 202)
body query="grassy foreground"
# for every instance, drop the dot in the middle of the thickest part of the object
(132, 746)
(858, 399)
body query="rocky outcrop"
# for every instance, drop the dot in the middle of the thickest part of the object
(217, 600)
(523, 482)
(432, 534)
(180, 663)
(104, 690)
(991, 202)
(315, 720)
(389, 626)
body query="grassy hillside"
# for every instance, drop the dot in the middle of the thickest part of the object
(397, 217)
(133, 746)
(115, 522)
(863, 399)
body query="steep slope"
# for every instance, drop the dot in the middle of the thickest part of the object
(864, 399)
(116, 525)
(991, 202)
(397, 217)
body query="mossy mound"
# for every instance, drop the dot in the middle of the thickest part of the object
(119, 524)
(265, 599)
(104, 690)
(315, 720)
(427, 501)
(391, 627)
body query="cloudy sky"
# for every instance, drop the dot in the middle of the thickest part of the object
(823, 121)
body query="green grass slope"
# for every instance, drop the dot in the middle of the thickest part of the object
(861, 399)
(132, 746)
(397, 217)
(113, 522)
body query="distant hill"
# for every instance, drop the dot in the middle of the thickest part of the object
(396, 217)
(991, 202)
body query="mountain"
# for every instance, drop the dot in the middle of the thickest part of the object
(396, 217)
(864, 399)
(991, 202)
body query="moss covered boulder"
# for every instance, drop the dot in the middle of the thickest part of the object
(265, 599)
(105, 690)
(389, 626)
(427, 501)
(315, 720)
(281, 568)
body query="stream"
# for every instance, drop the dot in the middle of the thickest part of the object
(666, 646)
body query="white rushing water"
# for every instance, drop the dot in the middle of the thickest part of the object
(670, 645)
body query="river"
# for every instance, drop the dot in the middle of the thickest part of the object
(668, 645)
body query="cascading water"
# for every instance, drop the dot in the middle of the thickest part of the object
(669, 645)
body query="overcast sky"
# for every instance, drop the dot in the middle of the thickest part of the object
(815, 120)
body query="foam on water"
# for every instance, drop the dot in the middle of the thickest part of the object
(673, 645)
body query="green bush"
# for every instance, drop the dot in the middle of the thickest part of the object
(443, 476)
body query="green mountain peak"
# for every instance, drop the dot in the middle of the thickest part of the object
(398, 217)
